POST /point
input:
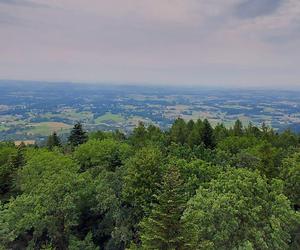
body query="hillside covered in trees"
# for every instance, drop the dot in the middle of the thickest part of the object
(190, 187)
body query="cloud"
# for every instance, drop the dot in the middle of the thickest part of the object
(281, 26)
(23, 3)
(7, 19)
(256, 8)
(152, 40)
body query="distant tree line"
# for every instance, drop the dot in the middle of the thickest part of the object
(193, 186)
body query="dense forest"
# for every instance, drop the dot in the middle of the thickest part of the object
(190, 187)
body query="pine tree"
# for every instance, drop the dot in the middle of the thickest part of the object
(207, 136)
(163, 229)
(252, 130)
(53, 141)
(78, 135)
(8, 173)
(264, 128)
(194, 138)
(190, 125)
(238, 128)
(220, 132)
(18, 160)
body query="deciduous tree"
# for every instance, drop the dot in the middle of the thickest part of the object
(240, 208)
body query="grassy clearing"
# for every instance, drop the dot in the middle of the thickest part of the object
(235, 106)
(46, 128)
(3, 128)
(109, 117)
(70, 114)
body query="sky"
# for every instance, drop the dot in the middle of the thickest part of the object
(243, 43)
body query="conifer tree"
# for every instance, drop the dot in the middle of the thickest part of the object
(220, 132)
(53, 141)
(190, 125)
(264, 128)
(207, 136)
(8, 177)
(163, 229)
(194, 138)
(238, 128)
(18, 160)
(78, 135)
(252, 130)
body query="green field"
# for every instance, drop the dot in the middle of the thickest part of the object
(235, 106)
(46, 128)
(109, 117)
(3, 128)
(70, 114)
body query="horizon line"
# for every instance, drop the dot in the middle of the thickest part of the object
(158, 85)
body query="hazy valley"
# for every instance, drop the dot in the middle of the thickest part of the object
(33, 110)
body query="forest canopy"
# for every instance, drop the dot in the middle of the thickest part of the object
(193, 186)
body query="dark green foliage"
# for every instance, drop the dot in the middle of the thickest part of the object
(201, 133)
(78, 135)
(86, 244)
(207, 135)
(8, 154)
(238, 128)
(6, 180)
(286, 139)
(18, 160)
(195, 134)
(220, 132)
(155, 136)
(290, 173)
(190, 187)
(252, 130)
(180, 151)
(179, 131)
(142, 136)
(53, 141)
(119, 136)
(197, 173)
(139, 135)
(190, 125)
(163, 229)
(235, 144)
(245, 159)
(14, 160)
(269, 158)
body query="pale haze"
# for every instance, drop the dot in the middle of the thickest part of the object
(243, 43)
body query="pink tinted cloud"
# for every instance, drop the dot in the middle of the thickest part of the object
(174, 41)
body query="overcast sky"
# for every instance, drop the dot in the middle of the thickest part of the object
(204, 42)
